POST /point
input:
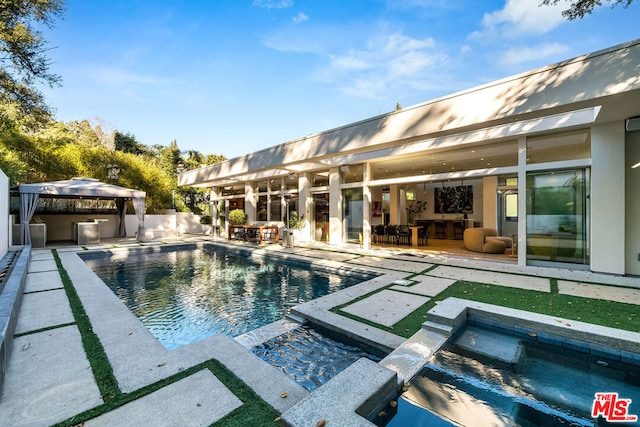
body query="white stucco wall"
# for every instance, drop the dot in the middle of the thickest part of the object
(632, 203)
(4, 214)
(608, 198)
(172, 224)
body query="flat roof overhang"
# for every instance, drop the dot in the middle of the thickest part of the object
(596, 88)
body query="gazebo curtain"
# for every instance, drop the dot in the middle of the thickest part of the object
(121, 205)
(28, 203)
(138, 205)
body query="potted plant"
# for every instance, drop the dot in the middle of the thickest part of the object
(206, 222)
(294, 223)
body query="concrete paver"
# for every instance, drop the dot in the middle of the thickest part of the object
(386, 307)
(42, 281)
(491, 277)
(48, 379)
(627, 295)
(44, 310)
(42, 265)
(427, 286)
(390, 264)
(335, 256)
(198, 400)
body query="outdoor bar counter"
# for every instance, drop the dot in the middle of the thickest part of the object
(87, 233)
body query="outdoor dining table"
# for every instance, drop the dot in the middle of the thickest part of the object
(259, 228)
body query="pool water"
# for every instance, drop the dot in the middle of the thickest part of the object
(182, 296)
(308, 357)
(542, 385)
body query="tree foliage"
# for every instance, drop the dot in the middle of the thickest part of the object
(127, 143)
(580, 8)
(23, 60)
(59, 151)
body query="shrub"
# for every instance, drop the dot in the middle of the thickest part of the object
(295, 223)
(206, 220)
(237, 217)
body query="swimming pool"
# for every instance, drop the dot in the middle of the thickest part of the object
(309, 357)
(184, 295)
(488, 378)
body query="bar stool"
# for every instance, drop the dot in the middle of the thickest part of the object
(422, 236)
(439, 225)
(458, 229)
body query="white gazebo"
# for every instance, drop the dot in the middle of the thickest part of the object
(77, 188)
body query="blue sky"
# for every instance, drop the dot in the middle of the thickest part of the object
(231, 76)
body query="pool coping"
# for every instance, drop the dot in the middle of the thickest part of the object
(446, 318)
(10, 301)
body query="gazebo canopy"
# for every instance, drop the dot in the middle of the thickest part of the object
(87, 188)
(81, 187)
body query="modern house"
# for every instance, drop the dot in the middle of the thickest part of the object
(550, 157)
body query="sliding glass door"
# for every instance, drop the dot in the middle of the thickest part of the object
(353, 214)
(558, 216)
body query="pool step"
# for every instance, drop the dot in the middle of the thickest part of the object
(507, 349)
(438, 327)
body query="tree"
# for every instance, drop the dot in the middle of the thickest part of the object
(84, 133)
(127, 143)
(23, 62)
(580, 8)
(212, 159)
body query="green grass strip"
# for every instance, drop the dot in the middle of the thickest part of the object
(254, 410)
(48, 328)
(599, 312)
(102, 371)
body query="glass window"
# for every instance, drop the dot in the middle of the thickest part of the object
(557, 216)
(562, 146)
(320, 179)
(291, 181)
(353, 214)
(233, 190)
(275, 208)
(511, 207)
(262, 208)
(494, 155)
(352, 173)
(275, 184)
(321, 216)
(508, 181)
(262, 186)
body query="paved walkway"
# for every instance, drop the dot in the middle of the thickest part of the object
(49, 379)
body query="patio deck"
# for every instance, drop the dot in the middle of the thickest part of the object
(48, 364)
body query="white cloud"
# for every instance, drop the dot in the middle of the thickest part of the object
(300, 17)
(392, 61)
(273, 4)
(366, 59)
(520, 18)
(519, 55)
